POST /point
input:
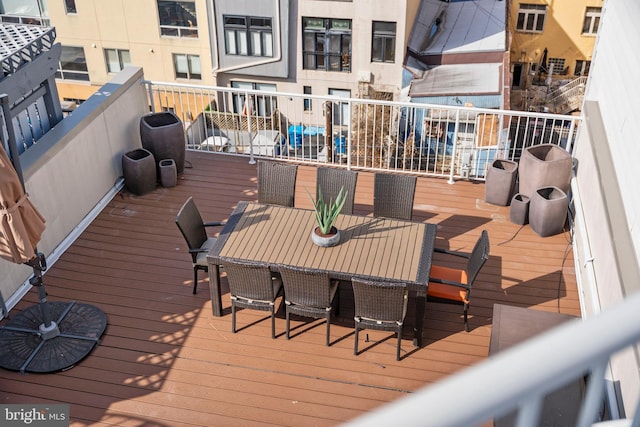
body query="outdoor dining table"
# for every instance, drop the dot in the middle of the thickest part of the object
(383, 249)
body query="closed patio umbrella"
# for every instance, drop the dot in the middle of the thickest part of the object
(49, 336)
(21, 225)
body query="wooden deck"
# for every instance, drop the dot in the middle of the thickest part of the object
(164, 360)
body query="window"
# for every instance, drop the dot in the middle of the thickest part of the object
(558, 66)
(341, 114)
(178, 18)
(70, 6)
(582, 68)
(383, 45)
(116, 59)
(591, 20)
(187, 67)
(22, 12)
(258, 105)
(12, 19)
(327, 44)
(245, 35)
(307, 101)
(73, 64)
(531, 17)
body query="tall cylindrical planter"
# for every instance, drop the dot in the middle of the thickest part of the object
(519, 210)
(500, 182)
(548, 211)
(163, 135)
(544, 165)
(139, 171)
(168, 173)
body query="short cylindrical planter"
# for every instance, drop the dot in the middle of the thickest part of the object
(519, 210)
(325, 240)
(500, 182)
(168, 173)
(544, 165)
(548, 211)
(139, 171)
(163, 135)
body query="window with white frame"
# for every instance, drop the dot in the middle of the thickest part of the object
(256, 104)
(73, 64)
(383, 43)
(326, 44)
(591, 20)
(116, 59)
(341, 113)
(582, 68)
(187, 66)
(178, 18)
(531, 17)
(247, 35)
(70, 6)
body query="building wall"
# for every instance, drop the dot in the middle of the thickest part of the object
(608, 236)
(364, 74)
(562, 34)
(130, 25)
(276, 66)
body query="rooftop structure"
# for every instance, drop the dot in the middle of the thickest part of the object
(23, 43)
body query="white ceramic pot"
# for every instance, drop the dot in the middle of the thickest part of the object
(325, 241)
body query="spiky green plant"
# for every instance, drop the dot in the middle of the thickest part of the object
(327, 213)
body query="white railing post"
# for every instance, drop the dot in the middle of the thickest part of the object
(247, 109)
(454, 149)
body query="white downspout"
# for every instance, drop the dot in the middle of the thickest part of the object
(216, 70)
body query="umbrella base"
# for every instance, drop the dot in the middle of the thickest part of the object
(26, 345)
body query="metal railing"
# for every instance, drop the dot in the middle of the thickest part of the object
(525, 374)
(437, 140)
(567, 97)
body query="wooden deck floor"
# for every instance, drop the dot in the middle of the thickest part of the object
(164, 360)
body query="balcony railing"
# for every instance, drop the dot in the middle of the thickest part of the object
(447, 141)
(518, 379)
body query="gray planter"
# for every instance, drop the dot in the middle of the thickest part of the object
(500, 182)
(519, 211)
(544, 165)
(139, 171)
(168, 173)
(163, 135)
(548, 211)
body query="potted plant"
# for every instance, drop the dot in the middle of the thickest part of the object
(325, 233)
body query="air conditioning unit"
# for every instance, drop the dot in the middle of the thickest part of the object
(364, 77)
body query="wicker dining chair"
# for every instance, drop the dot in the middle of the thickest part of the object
(193, 229)
(253, 286)
(276, 183)
(309, 293)
(393, 195)
(331, 180)
(381, 306)
(453, 286)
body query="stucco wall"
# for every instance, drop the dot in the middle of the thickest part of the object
(76, 164)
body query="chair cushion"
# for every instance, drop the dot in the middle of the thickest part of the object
(440, 290)
(201, 259)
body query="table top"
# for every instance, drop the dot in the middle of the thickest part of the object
(374, 248)
(512, 325)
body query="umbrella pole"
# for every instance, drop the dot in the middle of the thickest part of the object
(48, 329)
